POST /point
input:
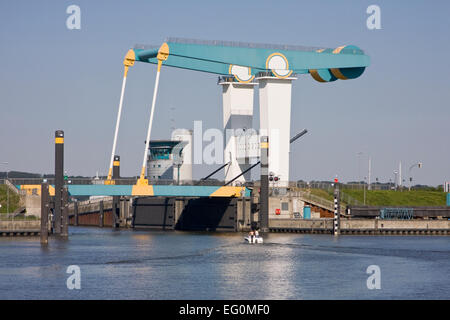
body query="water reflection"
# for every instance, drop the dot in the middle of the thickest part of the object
(278, 270)
(130, 264)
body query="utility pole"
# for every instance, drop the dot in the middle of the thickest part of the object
(364, 191)
(358, 157)
(370, 169)
(7, 192)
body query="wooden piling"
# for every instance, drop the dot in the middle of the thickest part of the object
(75, 214)
(101, 215)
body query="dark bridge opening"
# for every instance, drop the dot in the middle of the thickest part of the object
(196, 214)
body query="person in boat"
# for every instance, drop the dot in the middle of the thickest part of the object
(252, 235)
(255, 229)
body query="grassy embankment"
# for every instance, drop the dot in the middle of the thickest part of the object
(13, 199)
(391, 197)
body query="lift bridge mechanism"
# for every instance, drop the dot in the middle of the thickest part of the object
(240, 67)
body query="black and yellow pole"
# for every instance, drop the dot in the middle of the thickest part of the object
(116, 167)
(116, 199)
(264, 193)
(59, 178)
(65, 213)
(44, 213)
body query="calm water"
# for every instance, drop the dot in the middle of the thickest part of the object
(129, 264)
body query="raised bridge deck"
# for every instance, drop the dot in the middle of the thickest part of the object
(150, 190)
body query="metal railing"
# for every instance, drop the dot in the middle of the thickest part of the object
(396, 213)
(316, 200)
(11, 186)
(257, 45)
(326, 185)
(17, 217)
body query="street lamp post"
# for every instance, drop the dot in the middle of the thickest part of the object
(419, 165)
(358, 156)
(364, 190)
(395, 179)
(7, 192)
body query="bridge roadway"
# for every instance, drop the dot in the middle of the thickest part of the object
(150, 190)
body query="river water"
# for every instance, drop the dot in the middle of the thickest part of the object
(129, 264)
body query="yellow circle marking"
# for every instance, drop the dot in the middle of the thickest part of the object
(236, 76)
(273, 70)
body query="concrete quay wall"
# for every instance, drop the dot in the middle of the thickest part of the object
(362, 226)
(20, 228)
(89, 213)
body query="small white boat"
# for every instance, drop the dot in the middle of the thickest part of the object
(254, 239)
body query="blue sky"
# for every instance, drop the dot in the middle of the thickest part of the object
(54, 78)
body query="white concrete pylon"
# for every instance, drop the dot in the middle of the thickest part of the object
(183, 172)
(275, 122)
(237, 119)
